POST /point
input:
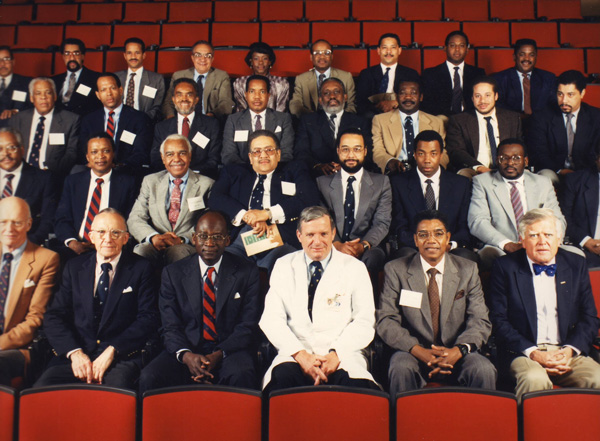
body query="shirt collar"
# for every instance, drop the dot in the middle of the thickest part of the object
(17, 171)
(345, 175)
(435, 178)
(114, 261)
(17, 253)
(138, 73)
(106, 177)
(451, 66)
(190, 117)
(116, 110)
(324, 262)
(384, 67)
(184, 178)
(204, 267)
(519, 180)
(36, 114)
(413, 116)
(492, 114)
(439, 266)
(262, 114)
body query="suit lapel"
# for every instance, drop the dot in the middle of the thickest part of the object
(193, 286)
(336, 191)
(143, 82)
(270, 123)
(246, 186)
(473, 131)
(564, 295)
(582, 135)
(22, 274)
(190, 189)
(524, 283)
(276, 192)
(86, 288)
(225, 283)
(502, 195)
(312, 89)
(209, 84)
(396, 132)
(118, 285)
(559, 132)
(325, 128)
(366, 191)
(446, 199)
(449, 288)
(162, 190)
(416, 282)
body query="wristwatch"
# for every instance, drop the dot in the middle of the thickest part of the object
(268, 210)
(366, 245)
(464, 349)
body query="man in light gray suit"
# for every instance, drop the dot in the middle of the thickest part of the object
(214, 85)
(164, 215)
(50, 135)
(360, 200)
(256, 117)
(501, 198)
(144, 89)
(433, 314)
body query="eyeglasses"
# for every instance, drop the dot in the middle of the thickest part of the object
(17, 224)
(9, 148)
(438, 234)
(505, 159)
(114, 234)
(347, 150)
(269, 152)
(216, 238)
(6, 60)
(74, 53)
(200, 55)
(327, 52)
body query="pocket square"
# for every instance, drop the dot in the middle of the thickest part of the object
(128, 289)
(459, 295)
(29, 283)
(237, 296)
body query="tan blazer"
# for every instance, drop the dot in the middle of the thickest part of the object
(31, 290)
(388, 134)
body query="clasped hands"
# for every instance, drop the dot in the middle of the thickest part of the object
(555, 362)
(318, 367)
(257, 219)
(163, 241)
(441, 360)
(353, 247)
(88, 371)
(201, 366)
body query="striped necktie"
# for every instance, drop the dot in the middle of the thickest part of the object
(93, 209)
(209, 328)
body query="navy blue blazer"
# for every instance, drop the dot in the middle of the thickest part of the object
(579, 204)
(40, 189)
(513, 308)
(231, 193)
(437, 88)
(204, 159)
(238, 305)
(131, 157)
(368, 83)
(547, 138)
(79, 103)
(17, 83)
(130, 313)
(73, 201)
(510, 96)
(409, 199)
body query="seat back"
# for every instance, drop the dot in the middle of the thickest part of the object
(7, 410)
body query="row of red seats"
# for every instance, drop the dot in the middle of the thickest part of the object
(273, 10)
(299, 34)
(217, 413)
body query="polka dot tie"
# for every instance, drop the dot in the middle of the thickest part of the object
(103, 283)
(36, 147)
(316, 270)
(349, 210)
(256, 200)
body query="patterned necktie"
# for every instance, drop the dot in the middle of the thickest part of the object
(515, 200)
(456, 93)
(93, 209)
(175, 205)
(36, 147)
(570, 141)
(321, 79)
(256, 200)
(433, 293)
(331, 121)
(209, 329)
(550, 270)
(70, 89)
(409, 134)
(185, 127)
(385, 81)
(2, 86)
(4, 282)
(349, 204)
(315, 277)
(129, 101)
(110, 124)
(258, 125)
(491, 138)
(526, 94)
(8, 189)
(429, 195)
(200, 90)
(103, 282)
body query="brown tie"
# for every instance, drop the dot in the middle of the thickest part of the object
(434, 303)
(130, 91)
(185, 127)
(526, 94)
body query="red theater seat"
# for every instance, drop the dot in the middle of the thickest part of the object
(190, 11)
(512, 9)
(327, 10)
(373, 30)
(544, 33)
(232, 62)
(14, 14)
(337, 33)
(384, 10)
(172, 60)
(7, 410)
(580, 34)
(39, 36)
(277, 10)
(236, 10)
(183, 34)
(101, 13)
(7, 34)
(286, 33)
(339, 413)
(495, 60)
(561, 414)
(206, 412)
(487, 34)
(145, 12)
(559, 9)
(559, 60)
(70, 413)
(92, 35)
(351, 60)
(291, 62)
(234, 34)
(492, 415)
(433, 33)
(55, 13)
(466, 10)
(35, 63)
(420, 9)
(150, 33)
(593, 61)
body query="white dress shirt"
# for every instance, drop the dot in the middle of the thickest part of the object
(355, 186)
(415, 122)
(180, 119)
(391, 75)
(277, 213)
(15, 180)
(484, 156)
(439, 278)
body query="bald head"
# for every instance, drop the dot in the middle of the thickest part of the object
(15, 222)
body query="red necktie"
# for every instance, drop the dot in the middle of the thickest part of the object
(209, 330)
(8, 190)
(185, 127)
(526, 94)
(175, 203)
(110, 125)
(93, 209)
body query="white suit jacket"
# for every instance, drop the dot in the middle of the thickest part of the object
(343, 312)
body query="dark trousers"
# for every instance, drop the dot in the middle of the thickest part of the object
(12, 365)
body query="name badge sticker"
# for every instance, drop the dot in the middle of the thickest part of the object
(411, 299)
(149, 91)
(19, 95)
(56, 139)
(240, 136)
(200, 140)
(288, 188)
(128, 137)
(196, 203)
(83, 90)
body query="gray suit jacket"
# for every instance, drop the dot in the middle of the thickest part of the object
(306, 95)
(237, 152)
(463, 314)
(59, 157)
(491, 215)
(216, 97)
(374, 214)
(149, 214)
(150, 106)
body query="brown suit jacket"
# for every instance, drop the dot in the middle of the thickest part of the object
(31, 290)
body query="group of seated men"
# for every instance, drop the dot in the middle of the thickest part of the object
(351, 178)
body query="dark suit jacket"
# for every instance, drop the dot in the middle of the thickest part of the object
(437, 88)
(18, 83)
(231, 193)
(73, 201)
(130, 313)
(513, 308)
(510, 96)
(150, 106)
(60, 158)
(409, 199)
(579, 203)
(238, 305)
(40, 189)
(79, 103)
(315, 143)
(132, 157)
(368, 84)
(462, 137)
(547, 138)
(205, 160)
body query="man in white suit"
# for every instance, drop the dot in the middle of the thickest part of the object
(319, 312)
(501, 198)
(164, 215)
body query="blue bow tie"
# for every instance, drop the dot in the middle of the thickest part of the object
(550, 270)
